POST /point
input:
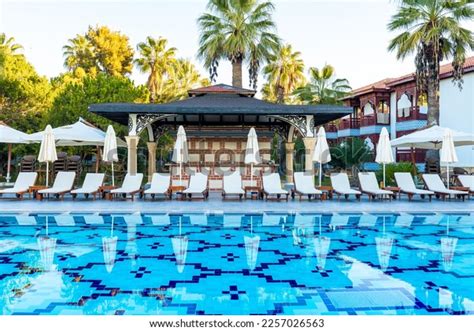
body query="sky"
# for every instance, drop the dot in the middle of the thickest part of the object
(351, 35)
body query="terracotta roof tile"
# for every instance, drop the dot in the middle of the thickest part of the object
(446, 71)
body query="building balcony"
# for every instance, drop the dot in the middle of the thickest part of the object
(330, 127)
(349, 123)
(410, 114)
(375, 119)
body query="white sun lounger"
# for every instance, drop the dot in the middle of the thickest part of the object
(91, 185)
(198, 184)
(272, 186)
(434, 183)
(131, 185)
(232, 185)
(369, 186)
(405, 183)
(467, 181)
(160, 184)
(304, 185)
(63, 184)
(22, 184)
(341, 186)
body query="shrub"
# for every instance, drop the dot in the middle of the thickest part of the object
(391, 169)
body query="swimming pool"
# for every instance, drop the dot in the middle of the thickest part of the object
(223, 263)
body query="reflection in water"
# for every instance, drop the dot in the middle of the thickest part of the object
(252, 244)
(448, 247)
(109, 248)
(180, 248)
(321, 247)
(384, 248)
(47, 248)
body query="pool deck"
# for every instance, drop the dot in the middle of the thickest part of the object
(215, 204)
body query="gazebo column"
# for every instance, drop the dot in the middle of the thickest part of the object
(132, 143)
(289, 152)
(309, 143)
(151, 159)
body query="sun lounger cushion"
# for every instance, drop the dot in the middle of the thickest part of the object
(233, 183)
(406, 184)
(131, 183)
(304, 183)
(160, 184)
(272, 184)
(91, 184)
(22, 183)
(340, 184)
(197, 184)
(368, 183)
(63, 182)
(435, 184)
(467, 181)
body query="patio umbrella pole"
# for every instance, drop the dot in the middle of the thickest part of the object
(97, 157)
(9, 162)
(251, 174)
(320, 173)
(180, 175)
(383, 165)
(113, 176)
(47, 173)
(447, 175)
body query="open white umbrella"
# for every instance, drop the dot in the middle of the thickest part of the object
(384, 151)
(48, 150)
(80, 133)
(252, 152)
(180, 151)
(432, 138)
(110, 149)
(448, 152)
(11, 136)
(321, 152)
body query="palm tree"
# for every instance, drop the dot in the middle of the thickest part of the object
(323, 87)
(284, 72)
(182, 77)
(237, 30)
(432, 30)
(79, 53)
(157, 60)
(8, 45)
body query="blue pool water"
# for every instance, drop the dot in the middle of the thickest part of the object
(237, 264)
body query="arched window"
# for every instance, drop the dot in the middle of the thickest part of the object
(368, 109)
(404, 106)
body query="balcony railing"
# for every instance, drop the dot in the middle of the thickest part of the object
(410, 114)
(349, 123)
(330, 127)
(376, 119)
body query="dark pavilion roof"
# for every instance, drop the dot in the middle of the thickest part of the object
(219, 100)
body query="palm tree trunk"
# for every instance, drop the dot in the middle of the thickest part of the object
(432, 87)
(237, 72)
(280, 94)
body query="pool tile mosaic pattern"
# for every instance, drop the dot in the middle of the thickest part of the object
(270, 263)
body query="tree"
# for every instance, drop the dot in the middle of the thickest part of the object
(73, 101)
(8, 45)
(99, 50)
(24, 95)
(352, 153)
(237, 30)
(284, 73)
(323, 87)
(183, 77)
(432, 30)
(157, 60)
